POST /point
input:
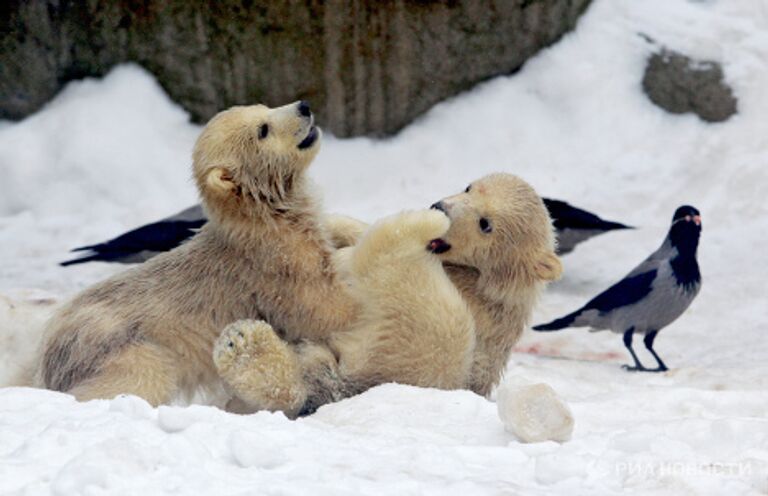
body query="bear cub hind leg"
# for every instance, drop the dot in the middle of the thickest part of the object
(261, 369)
(143, 370)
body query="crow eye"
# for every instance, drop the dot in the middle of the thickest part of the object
(485, 226)
(468, 188)
(263, 131)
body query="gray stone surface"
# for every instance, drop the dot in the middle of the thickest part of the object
(680, 84)
(367, 67)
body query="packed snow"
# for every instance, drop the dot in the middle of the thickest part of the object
(108, 155)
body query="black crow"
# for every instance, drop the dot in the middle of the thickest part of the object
(147, 241)
(574, 225)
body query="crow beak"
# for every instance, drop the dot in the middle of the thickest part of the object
(697, 220)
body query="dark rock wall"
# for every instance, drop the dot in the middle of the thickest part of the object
(367, 67)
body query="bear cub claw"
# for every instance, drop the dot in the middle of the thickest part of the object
(239, 342)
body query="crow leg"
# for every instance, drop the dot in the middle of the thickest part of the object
(638, 367)
(648, 340)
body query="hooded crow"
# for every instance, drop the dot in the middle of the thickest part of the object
(650, 297)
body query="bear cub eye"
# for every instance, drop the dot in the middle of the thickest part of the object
(485, 226)
(263, 131)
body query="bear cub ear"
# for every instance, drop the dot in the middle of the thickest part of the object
(548, 267)
(220, 180)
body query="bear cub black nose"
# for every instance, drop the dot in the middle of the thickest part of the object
(304, 109)
(438, 206)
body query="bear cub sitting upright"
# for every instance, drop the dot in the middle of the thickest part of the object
(150, 330)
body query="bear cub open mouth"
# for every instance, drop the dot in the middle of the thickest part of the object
(438, 246)
(310, 139)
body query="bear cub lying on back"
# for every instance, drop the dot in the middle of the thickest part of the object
(443, 296)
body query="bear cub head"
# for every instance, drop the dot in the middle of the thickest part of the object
(499, 226)
(250, 160)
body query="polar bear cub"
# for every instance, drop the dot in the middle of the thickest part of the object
(411, 326)
(415, 327)
(150, 331)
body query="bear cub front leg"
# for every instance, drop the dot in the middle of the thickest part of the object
(261, 369)
(415, 328)
(401, 240)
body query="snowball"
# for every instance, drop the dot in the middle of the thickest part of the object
(534, 412)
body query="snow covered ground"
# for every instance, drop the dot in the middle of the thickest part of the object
(108, 155)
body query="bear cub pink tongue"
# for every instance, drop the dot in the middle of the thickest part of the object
(438, 246)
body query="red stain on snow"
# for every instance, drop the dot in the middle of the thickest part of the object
(551, 351)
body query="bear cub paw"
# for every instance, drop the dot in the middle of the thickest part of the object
(421, 226)
(258, 366)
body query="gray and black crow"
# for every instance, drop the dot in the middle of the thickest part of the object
(650, 297)
(145, 242)
(572, 224)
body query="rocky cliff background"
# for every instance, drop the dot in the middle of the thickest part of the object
(367, 67)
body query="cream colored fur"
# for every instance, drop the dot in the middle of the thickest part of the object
(502, 273)
(267, 375)
(414, 327)
(150, 330)
(401, 334)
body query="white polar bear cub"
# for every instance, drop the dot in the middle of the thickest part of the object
(414, 327)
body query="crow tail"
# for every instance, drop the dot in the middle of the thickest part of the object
(88, 258)
(608, 225)
(558, 324)
(89, 247)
